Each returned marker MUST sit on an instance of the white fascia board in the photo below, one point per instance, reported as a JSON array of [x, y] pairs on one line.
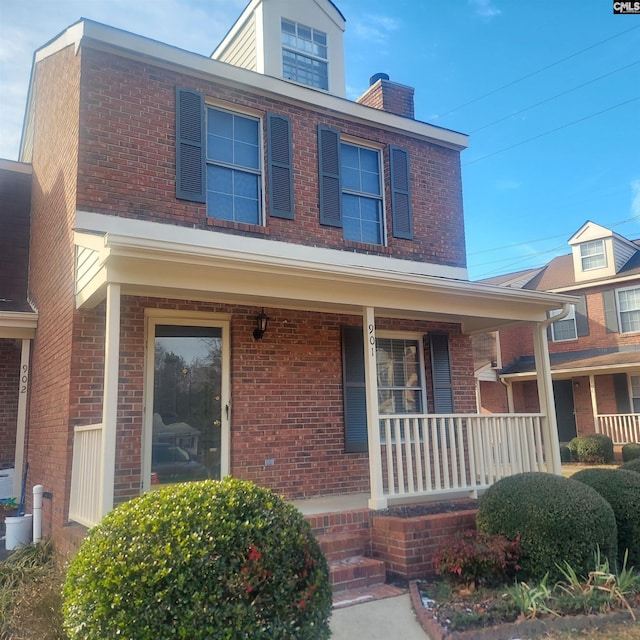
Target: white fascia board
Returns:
[[101, 36], [574, 372], [17, 167], [601, 282], [14, 324]]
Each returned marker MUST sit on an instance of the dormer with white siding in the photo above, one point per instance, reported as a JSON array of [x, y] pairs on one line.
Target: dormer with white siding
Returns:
[[599, 252], [297, 40]]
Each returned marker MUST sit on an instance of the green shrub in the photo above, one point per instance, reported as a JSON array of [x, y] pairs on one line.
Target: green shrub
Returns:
[[595, 448], [556, 519], [224, 560], [630, 451], [621, 489], [475, 558], [632, 465], [565, 453]]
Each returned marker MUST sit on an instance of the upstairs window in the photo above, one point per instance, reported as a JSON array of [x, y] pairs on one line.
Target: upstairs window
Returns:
[[304, 55], [234, 171], [592, 255], [361, 194], [564, 329], [629, 309]]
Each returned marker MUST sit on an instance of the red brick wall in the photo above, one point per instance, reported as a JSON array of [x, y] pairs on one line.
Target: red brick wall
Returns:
[[9, 385], [494, 397], [51, 276], [127, 159]]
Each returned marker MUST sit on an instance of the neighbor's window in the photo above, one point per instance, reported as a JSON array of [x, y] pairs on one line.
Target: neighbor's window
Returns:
[[635, 393], [629, 309], [592, 255], [361, 194], [564, 329], [304, 55], [400, 388], [233, 166]]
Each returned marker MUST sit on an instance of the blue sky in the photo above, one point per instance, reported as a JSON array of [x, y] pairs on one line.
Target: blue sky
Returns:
[[549, 92]]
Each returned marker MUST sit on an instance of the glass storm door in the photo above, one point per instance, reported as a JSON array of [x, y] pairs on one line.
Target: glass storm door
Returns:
[[187, 407]]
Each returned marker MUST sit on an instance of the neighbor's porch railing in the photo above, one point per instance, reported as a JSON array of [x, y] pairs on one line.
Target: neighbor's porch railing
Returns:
[[620, 427], [84, 504], [431, 455]]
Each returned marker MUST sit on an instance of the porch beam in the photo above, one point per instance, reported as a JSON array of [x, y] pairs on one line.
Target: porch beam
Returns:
[[545, 396], [110, 397], [378, 500], [21, 426]]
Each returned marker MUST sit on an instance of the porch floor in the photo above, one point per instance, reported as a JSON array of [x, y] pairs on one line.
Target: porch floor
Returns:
[[332, 504]]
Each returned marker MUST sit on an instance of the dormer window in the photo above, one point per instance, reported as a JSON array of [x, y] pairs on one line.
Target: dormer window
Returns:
[[592, 255], [304, 55]]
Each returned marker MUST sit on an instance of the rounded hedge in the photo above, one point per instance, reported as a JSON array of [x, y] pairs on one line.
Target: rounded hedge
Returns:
[[196, 561], [594, 448], [565, 453], [630, 451], [632, 465], [621, 489], [556, 519]]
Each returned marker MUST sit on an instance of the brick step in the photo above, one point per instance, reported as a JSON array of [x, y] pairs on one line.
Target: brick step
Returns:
[[356, 573], [347, 598], [340, 546]]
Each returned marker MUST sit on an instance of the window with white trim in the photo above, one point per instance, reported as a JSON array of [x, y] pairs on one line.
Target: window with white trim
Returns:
[[361, 193], [564, 329], [304, 55], [635, 393], [400, 379], [592, 255], [629, 309], [234, 167]]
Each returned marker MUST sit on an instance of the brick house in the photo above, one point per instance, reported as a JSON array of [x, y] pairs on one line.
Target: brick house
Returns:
[[238, 270], [594, 348]]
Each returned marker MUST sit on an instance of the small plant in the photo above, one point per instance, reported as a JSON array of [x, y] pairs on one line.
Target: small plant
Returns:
[[534, 600], [630, 451], [474, 558], [8, 505], [565, 453], [593, 449], [632, 465], [200, 560]]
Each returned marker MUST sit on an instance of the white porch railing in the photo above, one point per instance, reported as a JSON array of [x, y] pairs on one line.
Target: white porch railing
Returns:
[[84, 504], [431, 455], [620, 427]]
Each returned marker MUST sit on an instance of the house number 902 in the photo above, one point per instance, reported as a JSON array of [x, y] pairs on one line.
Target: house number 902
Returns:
[[372, 340], [24, 379]]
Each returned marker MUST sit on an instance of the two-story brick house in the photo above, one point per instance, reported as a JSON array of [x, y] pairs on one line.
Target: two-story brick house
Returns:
[[238, 270], [594, 348]]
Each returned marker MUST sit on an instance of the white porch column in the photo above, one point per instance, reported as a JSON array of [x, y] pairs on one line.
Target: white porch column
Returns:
[[594, 403], [110, 397], [23, 391], [378, 499], [545, 395]]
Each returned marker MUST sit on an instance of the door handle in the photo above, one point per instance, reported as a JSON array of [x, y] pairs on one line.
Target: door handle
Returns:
[[216, 423], [227, 409]]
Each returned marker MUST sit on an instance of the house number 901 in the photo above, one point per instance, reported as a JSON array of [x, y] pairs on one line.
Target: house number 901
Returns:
[[372, 340], [24, 378]]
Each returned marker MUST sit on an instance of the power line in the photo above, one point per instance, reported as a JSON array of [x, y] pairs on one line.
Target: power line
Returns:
[[558, 95], [533, 73], [546, 133]]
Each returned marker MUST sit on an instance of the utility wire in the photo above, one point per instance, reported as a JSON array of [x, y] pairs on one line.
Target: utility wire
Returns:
[[546, 133], [558, 95], [533, 73]]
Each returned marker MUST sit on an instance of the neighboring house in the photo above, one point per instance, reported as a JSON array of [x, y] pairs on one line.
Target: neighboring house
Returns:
[[594, 348], [236, 270]]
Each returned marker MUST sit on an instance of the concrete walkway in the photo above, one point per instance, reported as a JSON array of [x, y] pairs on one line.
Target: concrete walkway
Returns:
[[387, 619]]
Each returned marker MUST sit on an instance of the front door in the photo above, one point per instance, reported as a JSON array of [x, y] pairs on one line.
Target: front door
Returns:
[[189, 425], [565, 412]]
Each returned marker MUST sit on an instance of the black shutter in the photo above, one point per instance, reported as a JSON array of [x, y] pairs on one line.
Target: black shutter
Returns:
[[190, 146], [353, 382], [621, 389], [610, 311], [329, 176], [401, 193], [280, 167], [582, 319], [441, 373]]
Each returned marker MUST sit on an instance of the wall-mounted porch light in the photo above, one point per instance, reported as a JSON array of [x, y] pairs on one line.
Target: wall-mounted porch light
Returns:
[[262, 322]]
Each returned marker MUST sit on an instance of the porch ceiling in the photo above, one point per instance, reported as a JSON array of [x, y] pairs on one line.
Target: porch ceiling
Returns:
[[161, 260]]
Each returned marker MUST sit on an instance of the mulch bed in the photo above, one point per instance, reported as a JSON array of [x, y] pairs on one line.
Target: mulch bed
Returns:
[[429, 508]]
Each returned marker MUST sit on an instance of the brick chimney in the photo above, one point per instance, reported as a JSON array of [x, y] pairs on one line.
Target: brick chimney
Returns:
[[388, 96]]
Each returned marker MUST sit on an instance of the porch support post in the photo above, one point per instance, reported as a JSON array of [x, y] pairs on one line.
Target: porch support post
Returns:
[[110, 397], [378, 499], [545, 395], [594, 403], [21, 426]]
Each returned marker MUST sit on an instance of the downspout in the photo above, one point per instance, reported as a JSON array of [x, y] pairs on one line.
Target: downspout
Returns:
[[545, 388]]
